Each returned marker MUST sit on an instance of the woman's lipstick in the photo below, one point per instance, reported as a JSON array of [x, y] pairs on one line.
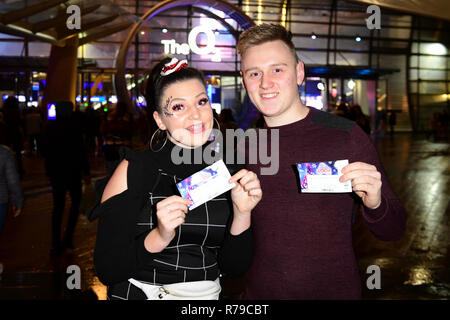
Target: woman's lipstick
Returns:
[[196, 128]]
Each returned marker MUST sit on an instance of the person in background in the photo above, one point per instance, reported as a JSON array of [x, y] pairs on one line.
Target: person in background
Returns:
[[360, 118], [2, 129], [14, 130], [381, 123], [144, 127], [9, 180], [117, 131], [342, 110], [392, 119], [93, 120], [226, 120], [33, 126], [66, 163]]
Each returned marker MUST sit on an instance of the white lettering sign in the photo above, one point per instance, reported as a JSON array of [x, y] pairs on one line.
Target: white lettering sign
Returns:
[[172, 47]]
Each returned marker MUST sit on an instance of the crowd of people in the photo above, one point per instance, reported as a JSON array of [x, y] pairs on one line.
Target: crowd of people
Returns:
[[353, 112], [66, 145]]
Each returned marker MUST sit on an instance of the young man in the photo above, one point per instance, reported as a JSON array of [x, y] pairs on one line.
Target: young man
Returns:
[[303, 241]]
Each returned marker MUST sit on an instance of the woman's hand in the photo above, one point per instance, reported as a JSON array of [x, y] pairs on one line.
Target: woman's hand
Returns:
[[245, 196], [247, 192], [171, 213]]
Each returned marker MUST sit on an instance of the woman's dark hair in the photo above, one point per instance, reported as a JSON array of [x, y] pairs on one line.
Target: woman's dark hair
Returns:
[[156, 83]]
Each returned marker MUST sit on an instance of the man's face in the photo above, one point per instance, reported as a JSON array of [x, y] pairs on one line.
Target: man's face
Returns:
[[271, 77]]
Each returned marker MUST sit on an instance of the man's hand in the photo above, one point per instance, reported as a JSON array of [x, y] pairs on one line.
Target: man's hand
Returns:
[[366, 182]]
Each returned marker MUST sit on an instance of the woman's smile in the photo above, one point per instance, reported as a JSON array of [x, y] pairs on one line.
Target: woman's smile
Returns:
[[196, 128]]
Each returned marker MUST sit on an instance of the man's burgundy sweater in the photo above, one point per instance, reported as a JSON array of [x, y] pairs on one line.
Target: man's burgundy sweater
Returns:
[[303, 242]]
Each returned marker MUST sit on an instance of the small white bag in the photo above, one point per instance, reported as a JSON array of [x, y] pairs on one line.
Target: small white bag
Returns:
[[193, 290]]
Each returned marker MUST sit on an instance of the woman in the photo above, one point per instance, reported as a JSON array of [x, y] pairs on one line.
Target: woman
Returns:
[[149, 246]]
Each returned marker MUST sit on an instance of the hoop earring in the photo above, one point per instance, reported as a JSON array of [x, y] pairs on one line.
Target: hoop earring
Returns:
[[218, 124], [212, 137], [151, 141]]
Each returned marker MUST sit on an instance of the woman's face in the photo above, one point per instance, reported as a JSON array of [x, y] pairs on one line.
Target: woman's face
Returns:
[[185, 113]]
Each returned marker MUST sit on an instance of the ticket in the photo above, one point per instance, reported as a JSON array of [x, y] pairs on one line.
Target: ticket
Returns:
[[206, 184], [323, 177]]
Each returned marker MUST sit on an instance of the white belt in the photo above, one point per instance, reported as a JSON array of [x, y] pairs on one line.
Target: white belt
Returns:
[[193, 290]]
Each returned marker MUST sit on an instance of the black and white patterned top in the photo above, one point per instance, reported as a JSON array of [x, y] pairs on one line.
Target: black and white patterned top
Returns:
[[202, 247]]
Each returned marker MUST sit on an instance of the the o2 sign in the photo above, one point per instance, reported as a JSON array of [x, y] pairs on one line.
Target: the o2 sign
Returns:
[[172, 47]]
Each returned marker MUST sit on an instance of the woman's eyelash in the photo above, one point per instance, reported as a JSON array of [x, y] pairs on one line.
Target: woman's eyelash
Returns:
[[177, 107]]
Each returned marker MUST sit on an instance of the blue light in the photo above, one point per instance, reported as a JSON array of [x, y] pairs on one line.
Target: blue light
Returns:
[[98, 99], [209, 91], [91, 85], [51, 111], [365, 71], [319, 70], [358, 39]]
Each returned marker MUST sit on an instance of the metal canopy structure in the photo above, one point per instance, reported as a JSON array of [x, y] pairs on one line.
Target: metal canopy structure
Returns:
[[228, 9], [46, 20], [432, 8]]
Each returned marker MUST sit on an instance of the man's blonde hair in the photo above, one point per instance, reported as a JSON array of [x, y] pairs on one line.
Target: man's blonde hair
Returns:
[[263, 33]]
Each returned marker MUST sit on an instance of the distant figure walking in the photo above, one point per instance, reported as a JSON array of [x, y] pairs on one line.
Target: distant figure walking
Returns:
[[392, 118], [14, 131], [65, 162], [117, 131], [9, 180]]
